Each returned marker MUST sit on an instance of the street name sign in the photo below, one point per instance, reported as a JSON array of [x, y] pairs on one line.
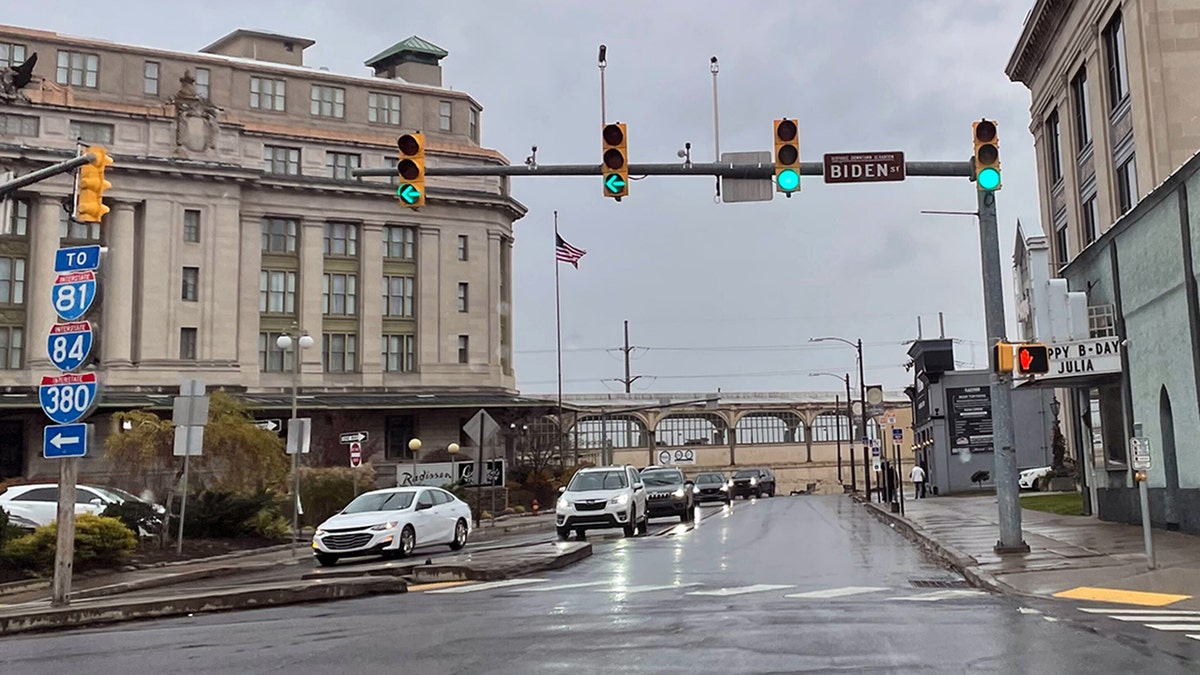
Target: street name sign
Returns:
[[353, 437], [65, 440], [70, 344], [67, 398], [270, 425], [864, 167], [73, 294]]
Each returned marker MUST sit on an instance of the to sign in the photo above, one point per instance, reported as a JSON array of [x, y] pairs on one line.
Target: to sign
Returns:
[[70, 344], [73, 294], [77, 258], [66, 399], [864, 167], [355, 455]]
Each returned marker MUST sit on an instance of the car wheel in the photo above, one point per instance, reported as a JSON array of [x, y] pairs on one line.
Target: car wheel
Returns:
[[408, 541], [630, 527], [327, 560], [460, 535], [563, 533], [643, 525]]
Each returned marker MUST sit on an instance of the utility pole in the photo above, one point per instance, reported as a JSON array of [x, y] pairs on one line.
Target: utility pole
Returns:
[[628, 380]]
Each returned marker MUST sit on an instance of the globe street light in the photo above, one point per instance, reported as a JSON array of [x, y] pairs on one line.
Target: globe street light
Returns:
[[414, 445], [295, 339]]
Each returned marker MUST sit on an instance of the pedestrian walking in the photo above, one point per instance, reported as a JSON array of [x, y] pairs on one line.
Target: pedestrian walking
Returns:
[[918, 479]]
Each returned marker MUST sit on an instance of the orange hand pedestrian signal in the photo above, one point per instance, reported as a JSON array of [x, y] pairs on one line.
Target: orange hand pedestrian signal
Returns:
[[1032, 359], [1026, 359]]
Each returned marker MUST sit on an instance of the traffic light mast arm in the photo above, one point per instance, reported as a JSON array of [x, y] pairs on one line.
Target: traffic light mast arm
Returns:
[[724, 169], [48, 172]]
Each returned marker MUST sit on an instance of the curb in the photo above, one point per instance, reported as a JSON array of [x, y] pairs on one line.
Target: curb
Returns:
[[270, 596], [502, 529], [418, 573], [173, 579]]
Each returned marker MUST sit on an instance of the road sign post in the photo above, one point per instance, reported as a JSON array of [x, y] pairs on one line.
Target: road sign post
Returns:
[[480, 428], [190, 414], [1140, 462]]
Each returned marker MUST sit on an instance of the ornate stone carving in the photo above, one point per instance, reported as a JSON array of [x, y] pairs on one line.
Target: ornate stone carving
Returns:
[[196, 126]]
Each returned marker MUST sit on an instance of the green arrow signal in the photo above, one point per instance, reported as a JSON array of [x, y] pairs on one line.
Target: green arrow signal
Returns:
[[614, 183], [409, 193]]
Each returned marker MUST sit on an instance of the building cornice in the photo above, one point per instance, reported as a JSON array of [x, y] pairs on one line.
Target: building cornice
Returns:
[[1041, 26]]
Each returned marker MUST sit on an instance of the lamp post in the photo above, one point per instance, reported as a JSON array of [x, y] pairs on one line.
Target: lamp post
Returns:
[[413, 446], [849, 427], [862, 392], [295, 339]]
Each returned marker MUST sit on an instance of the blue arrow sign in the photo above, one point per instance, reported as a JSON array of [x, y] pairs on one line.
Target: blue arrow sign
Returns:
[[409, 193], [73, 294], [70, 344], [77, 258], [65, 440], [614, 182], [66, 399]]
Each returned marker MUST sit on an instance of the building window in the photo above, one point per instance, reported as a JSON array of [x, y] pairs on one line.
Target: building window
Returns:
[[78, 69], [191, 225], [339, 352], [473, 124], [12, 348], [444, 119], [340, 294], [281, 161], [271, 358], [328, 101], [187, 344], [91, 132], [383, 108], [202, 78], [400, 430], [150, 78], [399, 242], [18, 125], [398, 296], [463, 301], [1127, 193], [341, 239], [12, 281], [18, 223], [1091, 219], [340, 164], [464, 349], [277, 292], [399, 353], [462, 247], [191, 284], [11, 54], [70, 229], [267, 94], [1118, 66], [1061, 253], [1054, 147], [1083, 110], [279, 235]]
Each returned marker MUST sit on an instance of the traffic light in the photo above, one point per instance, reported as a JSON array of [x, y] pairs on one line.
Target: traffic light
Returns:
[[987, 155], [1032, 359], [616, 161], [411, 168], [1002, 357], [787, 156], [89, 200]]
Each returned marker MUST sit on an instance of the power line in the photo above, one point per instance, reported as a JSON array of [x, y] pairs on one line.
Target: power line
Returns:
[[729, 348], [772, 373]]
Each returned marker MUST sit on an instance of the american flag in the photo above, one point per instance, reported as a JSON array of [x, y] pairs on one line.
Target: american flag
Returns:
[[567, 252]]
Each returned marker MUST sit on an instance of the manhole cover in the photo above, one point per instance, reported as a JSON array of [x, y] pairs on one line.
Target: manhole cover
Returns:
[[939, 583]]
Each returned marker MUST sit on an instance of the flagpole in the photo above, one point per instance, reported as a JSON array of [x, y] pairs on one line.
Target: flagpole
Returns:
[[558, 329]]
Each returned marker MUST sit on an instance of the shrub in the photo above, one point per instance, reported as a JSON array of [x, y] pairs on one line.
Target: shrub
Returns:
[[220, 514], [99, 542], [139, 517], [326, 491], [518, 509], [508, 512], [268, 524]]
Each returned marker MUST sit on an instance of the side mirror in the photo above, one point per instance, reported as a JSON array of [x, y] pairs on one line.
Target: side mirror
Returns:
[[637, 486], [421, 506], [562, 489], [96, 501]]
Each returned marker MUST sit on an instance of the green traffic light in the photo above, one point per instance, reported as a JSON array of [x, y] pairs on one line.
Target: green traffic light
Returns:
[[408, 193], [788, 180], [989, 178]]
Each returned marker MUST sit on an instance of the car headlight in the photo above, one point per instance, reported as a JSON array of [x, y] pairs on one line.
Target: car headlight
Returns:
[[695, 490], [724, 488], [753, 481], [391, 525], [319, 533], [678, 493], [563, 503], [620, 500]]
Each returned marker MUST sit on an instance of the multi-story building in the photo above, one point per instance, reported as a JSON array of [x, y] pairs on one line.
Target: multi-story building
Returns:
[[235, 217], [1113, 112]]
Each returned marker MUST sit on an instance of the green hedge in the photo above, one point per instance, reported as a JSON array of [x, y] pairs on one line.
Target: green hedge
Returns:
[[99, 542]]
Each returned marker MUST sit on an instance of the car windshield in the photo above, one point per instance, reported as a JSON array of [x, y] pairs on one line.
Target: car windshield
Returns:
[[746, 473], [380, 501], [598, 480], [116, 494], [710, 478], [661, 477]]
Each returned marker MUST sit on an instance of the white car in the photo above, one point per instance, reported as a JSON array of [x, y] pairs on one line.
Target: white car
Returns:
[[39, 502], [1028, 478], [392, 522], [602, 497]]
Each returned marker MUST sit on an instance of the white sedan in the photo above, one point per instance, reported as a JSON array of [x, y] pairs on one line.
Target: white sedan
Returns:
[[39, 502], [1028, 478], [392, 522]]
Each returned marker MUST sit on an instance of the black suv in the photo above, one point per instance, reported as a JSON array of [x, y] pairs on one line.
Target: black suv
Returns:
[[755, 482], [668, 493], [711, 486]]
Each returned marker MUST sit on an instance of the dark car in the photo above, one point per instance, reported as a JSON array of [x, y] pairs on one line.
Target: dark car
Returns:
[[755, 482], [711, 486], [668, 493]]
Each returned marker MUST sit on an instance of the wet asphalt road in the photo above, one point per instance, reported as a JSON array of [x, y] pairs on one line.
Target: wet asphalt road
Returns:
[[708, 599]]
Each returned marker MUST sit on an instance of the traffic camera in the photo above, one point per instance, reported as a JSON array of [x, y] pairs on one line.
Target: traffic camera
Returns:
[[89, 199], [411, 168], [616, 161], [987, 155]]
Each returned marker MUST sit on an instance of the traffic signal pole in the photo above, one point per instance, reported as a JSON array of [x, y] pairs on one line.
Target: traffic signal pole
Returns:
[[52, 171], [763, 170]]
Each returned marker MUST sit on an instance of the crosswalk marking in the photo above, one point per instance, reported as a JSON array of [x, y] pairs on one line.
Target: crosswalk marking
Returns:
[[487, 586], [1194, 637], [564, 587], [948, 594], [1156, 618], [644, 589], [742, 590], [836, 592]]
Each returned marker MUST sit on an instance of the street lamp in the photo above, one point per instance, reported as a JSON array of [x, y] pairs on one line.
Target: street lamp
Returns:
[[295, 339], [862, 398], [414, 445], [849, 427]]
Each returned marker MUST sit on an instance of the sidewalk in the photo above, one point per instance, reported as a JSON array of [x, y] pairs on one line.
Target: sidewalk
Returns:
[[1076, 557]]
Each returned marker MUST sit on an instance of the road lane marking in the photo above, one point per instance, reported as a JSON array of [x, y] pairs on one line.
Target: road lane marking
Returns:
[[435, 586], [644, 589], [1195, 637], [1174, 626], [542, 589], [1157, 618], [1120, 596], [742, 590], [948, 594], [490, 585], [837, 592], [1155, 612]]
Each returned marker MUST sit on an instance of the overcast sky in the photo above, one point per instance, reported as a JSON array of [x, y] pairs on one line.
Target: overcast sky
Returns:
[[705, 286]]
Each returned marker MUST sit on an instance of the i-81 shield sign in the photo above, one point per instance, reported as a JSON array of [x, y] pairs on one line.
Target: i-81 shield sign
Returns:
[[73, 294]]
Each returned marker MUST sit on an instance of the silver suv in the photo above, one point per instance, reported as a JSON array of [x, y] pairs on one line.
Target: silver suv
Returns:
[[602, 497]]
